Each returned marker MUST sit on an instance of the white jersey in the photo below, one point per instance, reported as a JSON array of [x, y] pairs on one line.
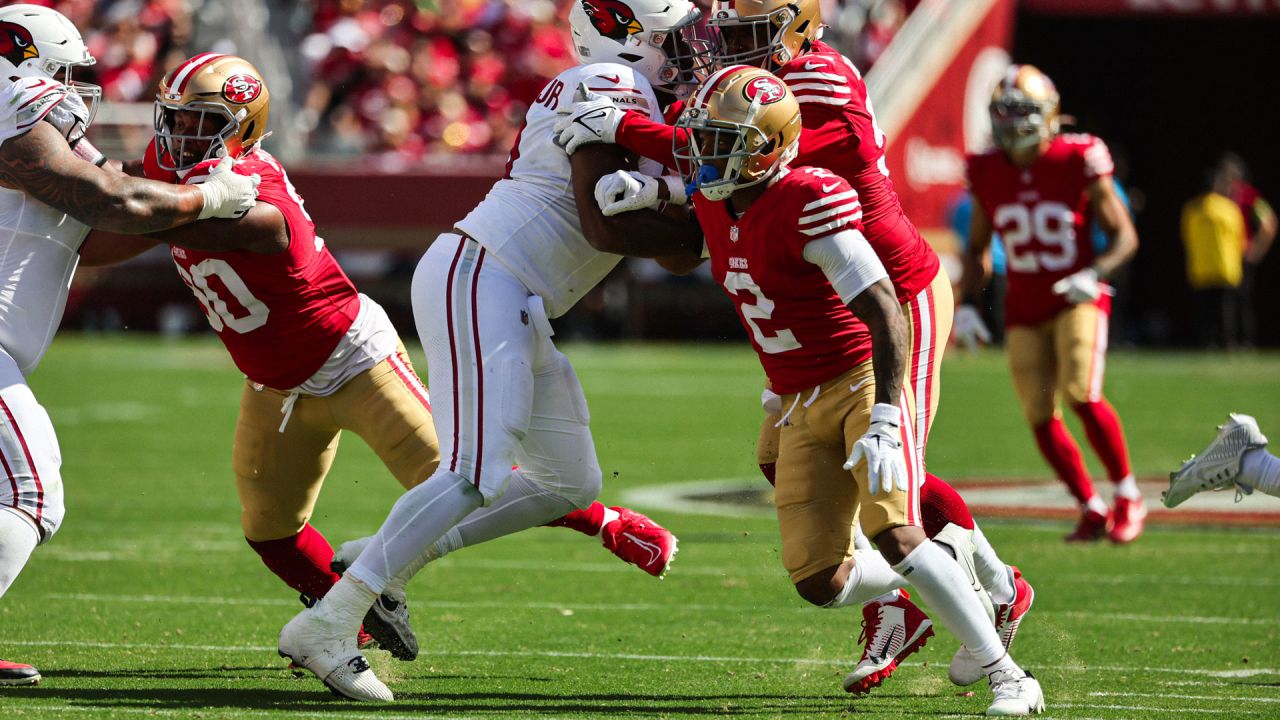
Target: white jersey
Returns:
[[529, 220], [39, 246]]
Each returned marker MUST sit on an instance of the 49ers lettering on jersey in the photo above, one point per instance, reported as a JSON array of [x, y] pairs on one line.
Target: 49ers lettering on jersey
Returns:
[[1042, 216], [799, 326], [280, 315]]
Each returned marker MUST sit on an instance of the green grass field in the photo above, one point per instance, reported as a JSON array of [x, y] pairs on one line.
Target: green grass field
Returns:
[[149, 604]]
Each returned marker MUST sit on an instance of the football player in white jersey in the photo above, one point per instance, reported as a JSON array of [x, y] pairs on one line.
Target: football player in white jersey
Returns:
[[482, 297], [53, 190]]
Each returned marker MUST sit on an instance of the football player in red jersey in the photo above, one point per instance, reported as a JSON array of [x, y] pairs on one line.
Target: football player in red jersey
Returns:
[[268, 282], [1041, 190], [788, 248], [840, 133]]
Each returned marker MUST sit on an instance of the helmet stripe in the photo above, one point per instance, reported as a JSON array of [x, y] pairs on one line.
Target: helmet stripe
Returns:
[[187, 71], [712, 83]]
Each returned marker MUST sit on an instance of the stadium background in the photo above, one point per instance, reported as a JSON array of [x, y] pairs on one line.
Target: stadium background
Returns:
[[394, 117]]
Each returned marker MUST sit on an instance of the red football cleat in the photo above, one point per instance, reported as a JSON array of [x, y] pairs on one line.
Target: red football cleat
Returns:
[[891, 631], [1092, 526], [1127, 520], [964, 669], [12, 673], [640, 541]]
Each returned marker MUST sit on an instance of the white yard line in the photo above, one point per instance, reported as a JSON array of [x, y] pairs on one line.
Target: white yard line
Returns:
[[612, 607], [1204, 672], [1186, 697]]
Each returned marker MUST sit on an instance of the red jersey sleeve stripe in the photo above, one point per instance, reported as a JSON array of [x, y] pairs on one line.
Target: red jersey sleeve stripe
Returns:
[[838, 221], [827, 212]]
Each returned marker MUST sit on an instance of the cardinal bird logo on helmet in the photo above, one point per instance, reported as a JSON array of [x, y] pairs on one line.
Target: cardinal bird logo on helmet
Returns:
[[16, 44], [612, 18]]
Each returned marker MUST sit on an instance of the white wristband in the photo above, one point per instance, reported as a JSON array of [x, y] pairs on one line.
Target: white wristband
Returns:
[[886, 413], [675, 188]]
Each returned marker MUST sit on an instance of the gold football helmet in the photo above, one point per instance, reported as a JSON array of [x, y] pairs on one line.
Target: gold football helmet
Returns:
[[740, 128], [764, 33], [209, 106], [1024, 109]]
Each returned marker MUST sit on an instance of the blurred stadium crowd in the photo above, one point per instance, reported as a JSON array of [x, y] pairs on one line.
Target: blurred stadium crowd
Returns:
[[398, 81]]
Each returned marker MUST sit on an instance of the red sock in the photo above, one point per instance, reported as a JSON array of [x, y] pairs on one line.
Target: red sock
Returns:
[[941, 504], [1102, 427], [301, 561], [587, 521], [1063, 454]]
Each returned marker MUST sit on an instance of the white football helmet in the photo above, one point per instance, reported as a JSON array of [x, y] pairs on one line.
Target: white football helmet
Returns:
[[662, 39], [37, 41]]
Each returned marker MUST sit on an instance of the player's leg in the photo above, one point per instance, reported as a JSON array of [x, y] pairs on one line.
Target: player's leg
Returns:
[[472, 317], [1236, 456], [817, 511], [1033, 365], [31, 497], [1080, 343], [278, 477]]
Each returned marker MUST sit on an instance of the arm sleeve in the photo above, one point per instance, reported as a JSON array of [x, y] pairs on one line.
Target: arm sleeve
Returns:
[[848, 261], [648, 138], [1097, 160]]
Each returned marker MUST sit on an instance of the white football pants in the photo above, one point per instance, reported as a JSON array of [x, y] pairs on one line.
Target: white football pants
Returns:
[[502, 394], [30, 459]]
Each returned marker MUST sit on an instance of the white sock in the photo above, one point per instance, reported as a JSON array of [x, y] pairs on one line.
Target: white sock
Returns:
[[860, 541], [944, 588], [871, 577], [995, 576], [1261, 470], [18, 538], [347, 602], [1097, 504], [1128, 489], [417, 520], [524, 505]]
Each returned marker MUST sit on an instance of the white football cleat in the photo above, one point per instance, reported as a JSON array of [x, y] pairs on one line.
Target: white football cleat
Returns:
[[310, 641], [1218, 465], [388, 620], [965, 669], [1017, 693]]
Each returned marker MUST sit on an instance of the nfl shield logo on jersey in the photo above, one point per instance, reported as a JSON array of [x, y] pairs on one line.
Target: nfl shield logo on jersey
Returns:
[[733, 233]]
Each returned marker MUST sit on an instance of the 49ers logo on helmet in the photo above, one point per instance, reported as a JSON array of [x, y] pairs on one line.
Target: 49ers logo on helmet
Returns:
[[16, 43], [766, 89], [241, 89], [612, 18]]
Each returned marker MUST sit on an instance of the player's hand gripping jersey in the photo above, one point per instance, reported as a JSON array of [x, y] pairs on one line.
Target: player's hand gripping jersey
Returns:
[[281, 314], [800, 326], [1042, 215], [40, 245], [529, 220]]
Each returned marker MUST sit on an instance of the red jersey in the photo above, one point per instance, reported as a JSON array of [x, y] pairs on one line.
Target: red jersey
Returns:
[[839, 132], [1042, 215], [280, 315], [802, 330]]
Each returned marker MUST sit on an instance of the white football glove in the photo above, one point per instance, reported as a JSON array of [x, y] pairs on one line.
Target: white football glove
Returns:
[[771, 402], [969, 328], [627, 190], [881, 447], [1079, 287], [592, 118], [226, 194]]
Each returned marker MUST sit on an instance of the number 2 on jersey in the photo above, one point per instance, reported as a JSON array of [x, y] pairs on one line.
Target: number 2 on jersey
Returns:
[[782, 340]]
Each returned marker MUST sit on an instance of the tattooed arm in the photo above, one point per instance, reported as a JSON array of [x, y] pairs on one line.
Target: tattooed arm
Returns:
[[41, 164]]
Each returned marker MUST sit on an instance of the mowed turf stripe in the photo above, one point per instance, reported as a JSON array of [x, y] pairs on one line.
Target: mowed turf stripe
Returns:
[[1232, 698], [640, 657], [606, 607], [205, 712]]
